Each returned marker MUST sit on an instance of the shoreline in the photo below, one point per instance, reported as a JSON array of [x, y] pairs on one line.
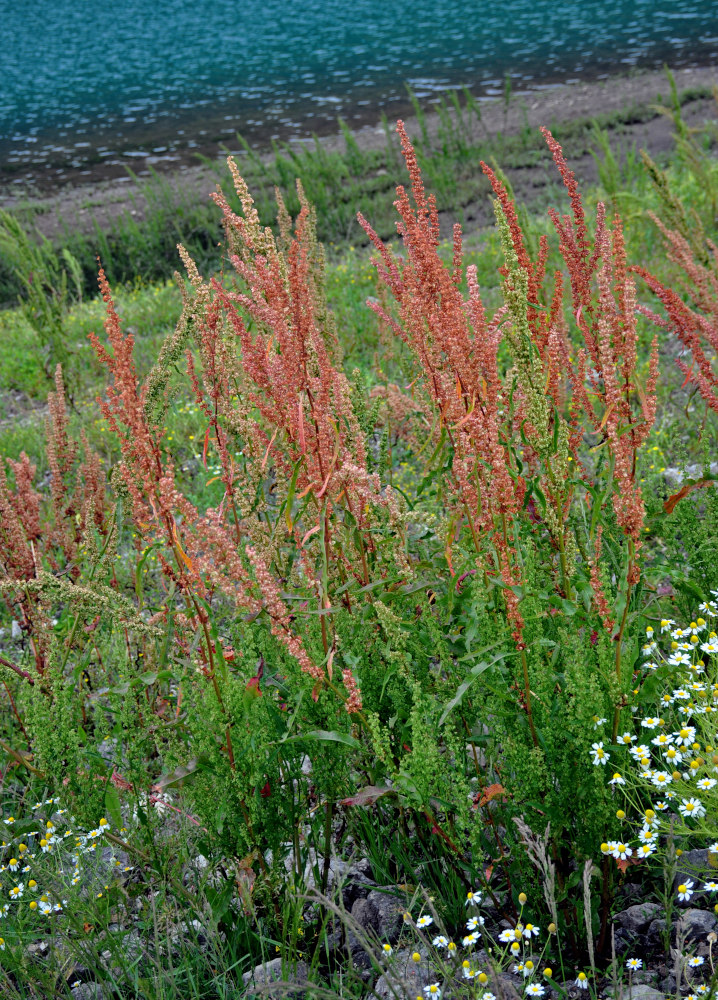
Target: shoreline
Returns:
[[170, 139], [99, 199]]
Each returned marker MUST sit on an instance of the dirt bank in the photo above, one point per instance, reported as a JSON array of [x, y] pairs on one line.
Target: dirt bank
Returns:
[[81, 202]]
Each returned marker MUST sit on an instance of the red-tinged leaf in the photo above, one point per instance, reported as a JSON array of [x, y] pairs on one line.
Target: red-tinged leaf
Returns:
[[269, 448], [321, 492], [686, 380], [367, 796], [623, 863], [670, 503], [180, 551], [492, 792], [447, 556], [488, 873], [252, 686], [206, 445], [315, 691]]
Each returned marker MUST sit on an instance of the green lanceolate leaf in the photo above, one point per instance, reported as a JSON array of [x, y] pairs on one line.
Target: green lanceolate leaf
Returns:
[[112, 806], [322, 735], [476, 672]]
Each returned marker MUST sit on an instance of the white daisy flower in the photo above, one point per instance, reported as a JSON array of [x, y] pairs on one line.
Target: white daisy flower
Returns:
[[685, 890], [692, 807], [663, 739], [599, 754], [650, 722]]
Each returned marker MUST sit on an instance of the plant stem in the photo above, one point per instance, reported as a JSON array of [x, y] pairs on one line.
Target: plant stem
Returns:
[[621, 630]]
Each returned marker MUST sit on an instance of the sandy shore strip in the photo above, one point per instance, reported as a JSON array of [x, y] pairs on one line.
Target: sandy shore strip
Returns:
[[101, 200]]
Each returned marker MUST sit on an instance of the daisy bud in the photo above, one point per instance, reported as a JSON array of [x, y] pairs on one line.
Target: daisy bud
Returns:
[[416, 957], [620, 814], [604, 848], [548, 972], [483, 978], [552, 928], [522, 898]]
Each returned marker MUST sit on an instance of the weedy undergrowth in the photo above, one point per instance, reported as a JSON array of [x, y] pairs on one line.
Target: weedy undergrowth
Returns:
[[415, 599]]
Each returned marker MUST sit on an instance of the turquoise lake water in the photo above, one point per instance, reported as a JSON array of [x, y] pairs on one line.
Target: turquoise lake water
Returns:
[[77, 76]]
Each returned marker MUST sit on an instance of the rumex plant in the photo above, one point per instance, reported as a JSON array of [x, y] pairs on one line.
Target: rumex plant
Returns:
[[425, 594], [516, 396], [43, 539]]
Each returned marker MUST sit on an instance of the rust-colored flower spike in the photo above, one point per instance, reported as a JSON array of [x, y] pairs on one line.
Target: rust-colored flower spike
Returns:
[[576, 247], [617, 340], [37, 534], [695, 324], [354, 702], [20, 523], [456, 345], [285, 357], [607, 363], [200, 553]]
